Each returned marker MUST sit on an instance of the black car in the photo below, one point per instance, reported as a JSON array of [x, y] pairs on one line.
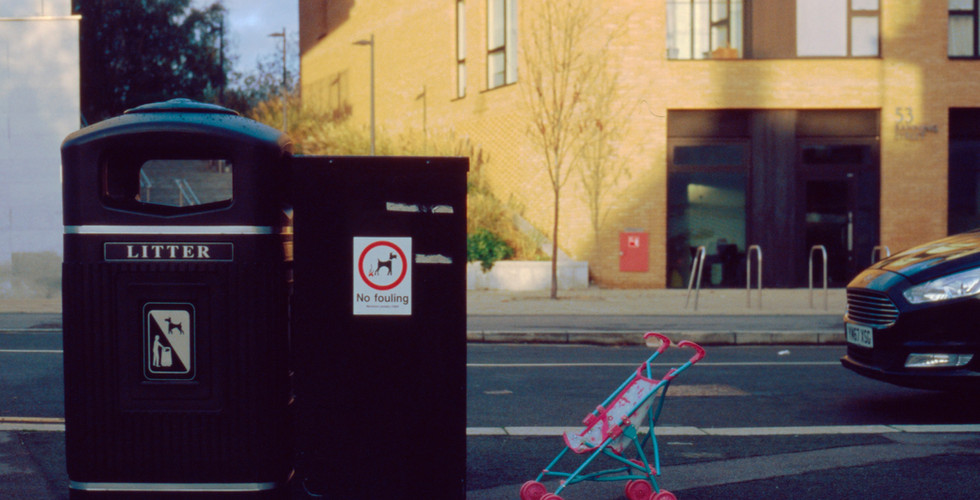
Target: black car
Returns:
[[913, 319]]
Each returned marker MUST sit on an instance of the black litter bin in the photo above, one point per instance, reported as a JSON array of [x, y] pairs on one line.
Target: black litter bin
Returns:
[[175, 305]]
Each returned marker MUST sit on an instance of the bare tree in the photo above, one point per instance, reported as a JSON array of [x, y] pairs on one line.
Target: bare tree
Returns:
[[565, 55]]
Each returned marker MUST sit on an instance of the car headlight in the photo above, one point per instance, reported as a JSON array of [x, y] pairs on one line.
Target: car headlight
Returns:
[[954, 286], [937, 360]]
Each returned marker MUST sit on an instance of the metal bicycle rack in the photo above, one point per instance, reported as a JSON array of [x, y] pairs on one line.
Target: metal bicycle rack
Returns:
[[696, 267], [748, 274], [823, 252], [876, 252]]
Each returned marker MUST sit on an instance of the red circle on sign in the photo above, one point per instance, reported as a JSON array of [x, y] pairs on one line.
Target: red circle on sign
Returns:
[[401, 276]]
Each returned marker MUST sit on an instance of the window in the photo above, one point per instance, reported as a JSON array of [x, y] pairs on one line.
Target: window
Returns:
[[501, 42], [770, 29], [710, 155], [704, 29], [836, 28], [963, 28], [460, 48], [836, 154]]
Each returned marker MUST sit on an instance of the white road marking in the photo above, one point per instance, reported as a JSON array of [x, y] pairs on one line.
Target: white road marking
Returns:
[[45, 424], [666, 365], [33, 424], [26, 427], [22, 331], [32, 351], [551, 431]]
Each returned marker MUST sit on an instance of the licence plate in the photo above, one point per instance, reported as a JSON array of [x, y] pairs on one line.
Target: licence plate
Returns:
[[860, 335]]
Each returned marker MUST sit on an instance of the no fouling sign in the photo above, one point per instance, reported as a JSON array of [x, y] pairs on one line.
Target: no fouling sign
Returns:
[[382, 276]]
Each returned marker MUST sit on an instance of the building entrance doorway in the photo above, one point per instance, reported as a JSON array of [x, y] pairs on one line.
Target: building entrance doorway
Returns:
[[782, 180], [839, 198]]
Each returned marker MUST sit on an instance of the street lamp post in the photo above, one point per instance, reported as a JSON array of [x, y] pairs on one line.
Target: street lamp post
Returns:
[[370, 42], [285, 112]]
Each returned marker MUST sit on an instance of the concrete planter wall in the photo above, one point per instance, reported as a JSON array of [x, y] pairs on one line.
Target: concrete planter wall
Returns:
[[520, 275]]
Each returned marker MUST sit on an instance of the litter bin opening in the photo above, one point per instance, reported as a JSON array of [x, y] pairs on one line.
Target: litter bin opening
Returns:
[[168, 186]]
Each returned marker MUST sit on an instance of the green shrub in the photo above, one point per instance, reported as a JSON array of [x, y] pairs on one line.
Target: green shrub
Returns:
[[487, 248], [484, 212]]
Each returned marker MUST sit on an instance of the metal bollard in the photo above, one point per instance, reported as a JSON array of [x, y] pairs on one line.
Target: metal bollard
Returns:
[[748, 274], [823, 252], [696, 266]]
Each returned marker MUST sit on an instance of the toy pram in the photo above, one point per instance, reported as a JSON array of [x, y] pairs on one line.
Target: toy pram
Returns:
[[612, 427]]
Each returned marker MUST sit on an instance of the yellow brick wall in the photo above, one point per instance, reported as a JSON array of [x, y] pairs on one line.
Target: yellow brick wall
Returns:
[[415, 47]]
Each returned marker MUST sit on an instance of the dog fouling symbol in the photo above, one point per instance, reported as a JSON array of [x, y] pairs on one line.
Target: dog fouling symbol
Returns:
[[168, 340], [383, 264], [388, 257]]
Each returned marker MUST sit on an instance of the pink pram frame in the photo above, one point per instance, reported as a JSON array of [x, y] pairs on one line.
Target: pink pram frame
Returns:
[[613, 426]]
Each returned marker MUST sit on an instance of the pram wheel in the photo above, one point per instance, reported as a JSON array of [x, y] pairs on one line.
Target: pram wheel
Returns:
[[664, 495], [639, 490], [550, 496], [533, 490]]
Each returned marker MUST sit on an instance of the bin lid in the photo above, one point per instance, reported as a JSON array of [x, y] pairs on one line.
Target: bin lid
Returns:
[[181, 105]]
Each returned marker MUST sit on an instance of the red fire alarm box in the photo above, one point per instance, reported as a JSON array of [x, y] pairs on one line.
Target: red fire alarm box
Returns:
[[634, 255]]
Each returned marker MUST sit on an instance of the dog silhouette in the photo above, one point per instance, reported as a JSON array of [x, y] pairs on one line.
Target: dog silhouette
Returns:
[[385, 263], [171, 326]]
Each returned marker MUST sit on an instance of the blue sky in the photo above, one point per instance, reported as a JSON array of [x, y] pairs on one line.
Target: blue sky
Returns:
[[249, 24]]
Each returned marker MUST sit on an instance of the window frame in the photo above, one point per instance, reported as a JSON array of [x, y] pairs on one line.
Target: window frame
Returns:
[[852, 14], [974, 15], [713, 26], [697, 33], [506, 50], [460, 49]]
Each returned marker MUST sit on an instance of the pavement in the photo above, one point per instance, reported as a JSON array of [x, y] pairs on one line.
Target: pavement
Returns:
[[605, 316], [710, 317]]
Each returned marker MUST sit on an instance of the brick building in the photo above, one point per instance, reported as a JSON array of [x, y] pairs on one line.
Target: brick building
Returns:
[[785, 124]]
